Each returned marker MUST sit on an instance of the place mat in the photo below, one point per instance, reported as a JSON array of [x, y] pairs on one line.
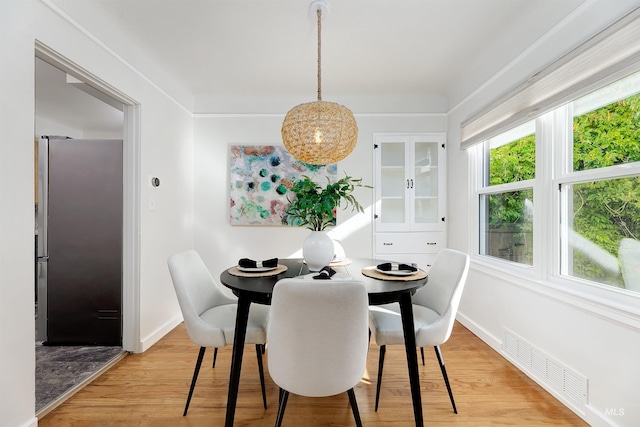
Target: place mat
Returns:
[[372, 272], [234, 271], [340, 263]]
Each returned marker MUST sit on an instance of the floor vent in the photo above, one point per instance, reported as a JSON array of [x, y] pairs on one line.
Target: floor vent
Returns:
[[542, 368]]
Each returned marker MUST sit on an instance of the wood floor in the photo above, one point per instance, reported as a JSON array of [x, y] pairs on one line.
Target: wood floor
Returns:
[[150, 389]]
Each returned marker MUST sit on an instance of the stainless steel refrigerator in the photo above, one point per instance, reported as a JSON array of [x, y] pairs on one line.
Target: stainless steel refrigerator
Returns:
[[79, 241]]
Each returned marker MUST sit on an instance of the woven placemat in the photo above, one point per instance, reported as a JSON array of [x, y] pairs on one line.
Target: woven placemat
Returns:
[[372, 272], [340, 263], [236, 272]]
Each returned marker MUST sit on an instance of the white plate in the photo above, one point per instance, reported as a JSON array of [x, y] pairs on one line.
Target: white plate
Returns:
[[397, 272], [256, 269]]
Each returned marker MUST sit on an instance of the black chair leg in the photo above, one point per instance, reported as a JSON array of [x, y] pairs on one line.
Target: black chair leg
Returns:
[[422, 354], [444, 375], [261, 370], [215, 356], [284, 396], [383, 349], [354, 407], [195, 377]]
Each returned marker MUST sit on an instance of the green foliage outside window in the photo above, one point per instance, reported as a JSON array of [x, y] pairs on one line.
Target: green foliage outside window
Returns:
[[510, 220], [604, 211], [513, 162]]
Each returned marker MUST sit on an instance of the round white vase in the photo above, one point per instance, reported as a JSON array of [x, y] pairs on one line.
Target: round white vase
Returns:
[[317, 250]]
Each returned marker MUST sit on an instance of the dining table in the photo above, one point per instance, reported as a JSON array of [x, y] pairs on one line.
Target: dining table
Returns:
[[382, 289]]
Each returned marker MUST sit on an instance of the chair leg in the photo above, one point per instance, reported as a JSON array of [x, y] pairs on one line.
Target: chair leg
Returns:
[[215, 356], [284, 396], [195, 377], [422, 354], [444, 375], [383, 349], [261, 371], [354, 407]]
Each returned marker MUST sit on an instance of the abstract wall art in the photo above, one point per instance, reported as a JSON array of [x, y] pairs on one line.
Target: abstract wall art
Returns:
[[261, 177]]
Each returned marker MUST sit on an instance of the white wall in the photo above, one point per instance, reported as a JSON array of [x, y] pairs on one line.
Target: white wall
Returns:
[[165, 150], [222, 244], [590, 339], [191, 160]]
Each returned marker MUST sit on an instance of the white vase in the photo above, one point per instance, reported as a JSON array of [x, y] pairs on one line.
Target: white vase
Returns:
[[317, 250]]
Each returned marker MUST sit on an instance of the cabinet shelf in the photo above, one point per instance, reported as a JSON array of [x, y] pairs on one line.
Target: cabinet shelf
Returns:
[[426, 169]]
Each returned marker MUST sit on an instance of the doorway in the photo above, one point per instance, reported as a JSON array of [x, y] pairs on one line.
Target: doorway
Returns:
[[104, 113]]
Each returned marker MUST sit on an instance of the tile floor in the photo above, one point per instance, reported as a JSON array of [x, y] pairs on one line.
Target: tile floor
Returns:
[[60, 368]]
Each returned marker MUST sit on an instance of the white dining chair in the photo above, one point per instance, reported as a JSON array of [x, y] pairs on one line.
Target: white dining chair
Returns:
[[434, 311], [210, 316], [318, 339]]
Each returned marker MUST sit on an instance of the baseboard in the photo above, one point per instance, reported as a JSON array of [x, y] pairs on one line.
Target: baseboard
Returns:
[[480, 332], [157, 335], [588, 413], [33, 422]]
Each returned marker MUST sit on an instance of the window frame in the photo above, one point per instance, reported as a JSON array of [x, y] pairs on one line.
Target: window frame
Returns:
[[483, 188], [554, 168]]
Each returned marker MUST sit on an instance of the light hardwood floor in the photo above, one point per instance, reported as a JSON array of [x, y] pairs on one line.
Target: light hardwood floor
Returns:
[[150, 389]]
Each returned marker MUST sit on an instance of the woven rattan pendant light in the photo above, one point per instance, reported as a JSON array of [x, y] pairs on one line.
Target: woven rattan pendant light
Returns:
[[319, 133]]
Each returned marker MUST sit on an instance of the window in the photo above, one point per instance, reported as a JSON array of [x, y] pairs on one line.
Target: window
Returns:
[[589, 183], [506, 196], [601, 197]]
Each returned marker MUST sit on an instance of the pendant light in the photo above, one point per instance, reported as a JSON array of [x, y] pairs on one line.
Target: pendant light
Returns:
[[320, 132]]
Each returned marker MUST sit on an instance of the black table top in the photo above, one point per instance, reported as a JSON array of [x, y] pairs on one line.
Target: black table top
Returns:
[[259, 289]]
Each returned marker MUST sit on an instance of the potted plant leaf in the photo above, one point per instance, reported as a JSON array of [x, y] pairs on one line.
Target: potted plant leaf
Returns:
[[314, 207]]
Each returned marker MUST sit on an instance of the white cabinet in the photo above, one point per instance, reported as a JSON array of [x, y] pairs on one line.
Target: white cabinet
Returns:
[[409, 210]]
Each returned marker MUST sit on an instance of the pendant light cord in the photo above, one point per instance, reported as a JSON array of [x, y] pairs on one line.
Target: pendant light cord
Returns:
[[319, 15]]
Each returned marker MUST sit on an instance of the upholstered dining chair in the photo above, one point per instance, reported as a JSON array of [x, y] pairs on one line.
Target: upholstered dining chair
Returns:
[[318, 338], [209, 315], [434, 311]]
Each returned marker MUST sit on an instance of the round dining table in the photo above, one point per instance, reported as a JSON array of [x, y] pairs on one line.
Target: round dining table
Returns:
[[382, 289]]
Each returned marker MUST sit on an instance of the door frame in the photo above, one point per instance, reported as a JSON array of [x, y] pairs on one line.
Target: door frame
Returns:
[[131, 192]]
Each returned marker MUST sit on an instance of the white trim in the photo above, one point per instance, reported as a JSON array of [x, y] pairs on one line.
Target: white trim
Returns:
[[604, 58], [146, 342], [488, 338], [131, 225], [610, 172], [110, 51], [131, 195], [282, 115], [588, 413]]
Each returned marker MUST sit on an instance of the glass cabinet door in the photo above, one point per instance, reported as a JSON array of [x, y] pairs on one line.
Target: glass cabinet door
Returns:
[[409, 182], [425, 182], [393, 183]]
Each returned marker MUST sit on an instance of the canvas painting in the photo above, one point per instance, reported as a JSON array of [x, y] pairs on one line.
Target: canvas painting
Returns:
[[261, 177]]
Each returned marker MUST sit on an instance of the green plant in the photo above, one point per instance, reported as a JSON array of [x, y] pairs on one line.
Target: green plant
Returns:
[[314, 207]]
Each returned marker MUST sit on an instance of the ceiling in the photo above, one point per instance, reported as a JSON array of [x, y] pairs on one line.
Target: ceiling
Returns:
[[258, 56]]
